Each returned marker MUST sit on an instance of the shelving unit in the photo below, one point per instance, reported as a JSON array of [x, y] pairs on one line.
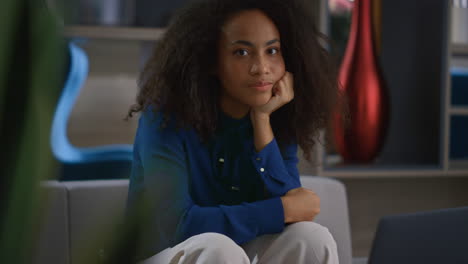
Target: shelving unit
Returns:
[[460, 49], [459, 110], [394, 173], [456, 117], [117, 33], [417, 69]]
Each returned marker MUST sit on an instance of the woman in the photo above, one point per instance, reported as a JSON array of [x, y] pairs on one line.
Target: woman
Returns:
[[230, 92]]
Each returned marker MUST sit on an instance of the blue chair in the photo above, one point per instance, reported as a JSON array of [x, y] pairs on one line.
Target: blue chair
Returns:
[[100, 162]]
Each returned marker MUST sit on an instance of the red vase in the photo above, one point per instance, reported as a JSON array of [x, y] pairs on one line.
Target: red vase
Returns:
[[361, 139]]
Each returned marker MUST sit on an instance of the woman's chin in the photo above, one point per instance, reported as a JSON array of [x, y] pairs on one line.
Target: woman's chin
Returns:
[[260, 100]]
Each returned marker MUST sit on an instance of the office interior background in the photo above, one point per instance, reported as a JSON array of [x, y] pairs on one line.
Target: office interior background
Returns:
[[416, 171], [373, 192]]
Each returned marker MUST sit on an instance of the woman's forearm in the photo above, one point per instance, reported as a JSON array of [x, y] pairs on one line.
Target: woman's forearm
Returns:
[[263, 134]]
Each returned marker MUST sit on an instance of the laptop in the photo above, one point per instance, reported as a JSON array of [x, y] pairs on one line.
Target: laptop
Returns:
[[434, 237]]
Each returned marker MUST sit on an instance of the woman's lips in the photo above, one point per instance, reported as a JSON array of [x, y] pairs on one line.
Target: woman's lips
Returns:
[[261, 86]]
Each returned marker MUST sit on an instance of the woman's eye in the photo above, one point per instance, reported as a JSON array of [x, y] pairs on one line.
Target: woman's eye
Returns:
[[273, 51], [241, 52]]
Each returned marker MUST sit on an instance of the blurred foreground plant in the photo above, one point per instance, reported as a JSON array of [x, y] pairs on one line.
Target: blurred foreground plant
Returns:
[[30, 72]]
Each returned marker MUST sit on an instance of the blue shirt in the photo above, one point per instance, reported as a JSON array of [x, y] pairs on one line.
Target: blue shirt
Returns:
[[223, 185]]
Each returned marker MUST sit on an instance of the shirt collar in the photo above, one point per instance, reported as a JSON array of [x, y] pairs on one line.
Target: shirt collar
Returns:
[[227, 122]]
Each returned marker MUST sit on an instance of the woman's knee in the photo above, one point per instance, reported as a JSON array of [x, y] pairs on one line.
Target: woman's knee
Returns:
[[311, 233], [314, 241], [214, 240], [220, 248]]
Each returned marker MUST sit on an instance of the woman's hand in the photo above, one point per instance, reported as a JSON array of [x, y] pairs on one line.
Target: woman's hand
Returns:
[[300, 204], [282, 93]]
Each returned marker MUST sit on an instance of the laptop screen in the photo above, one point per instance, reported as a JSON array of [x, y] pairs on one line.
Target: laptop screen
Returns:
[[435, 237]]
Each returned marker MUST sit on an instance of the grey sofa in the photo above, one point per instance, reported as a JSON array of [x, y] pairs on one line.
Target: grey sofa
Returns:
[[80, 213]]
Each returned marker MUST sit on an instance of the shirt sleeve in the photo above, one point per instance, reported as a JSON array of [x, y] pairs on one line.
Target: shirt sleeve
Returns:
[[278, 169], [172, 216]]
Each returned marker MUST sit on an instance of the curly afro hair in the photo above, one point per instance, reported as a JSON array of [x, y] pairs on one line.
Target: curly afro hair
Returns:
[[177, 79]]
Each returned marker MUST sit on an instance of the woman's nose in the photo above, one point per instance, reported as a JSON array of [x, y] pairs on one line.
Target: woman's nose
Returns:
[[259, 66]]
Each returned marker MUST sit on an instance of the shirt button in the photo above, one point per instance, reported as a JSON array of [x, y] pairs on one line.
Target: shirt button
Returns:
[[258, 158], [221, 160], [262, 169]]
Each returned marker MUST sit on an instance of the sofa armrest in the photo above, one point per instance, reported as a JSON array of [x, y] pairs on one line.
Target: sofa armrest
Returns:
[[96, 209], [52, 244], [334, 212]]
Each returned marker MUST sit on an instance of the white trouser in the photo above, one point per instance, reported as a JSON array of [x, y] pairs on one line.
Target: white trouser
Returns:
[[303, 242]]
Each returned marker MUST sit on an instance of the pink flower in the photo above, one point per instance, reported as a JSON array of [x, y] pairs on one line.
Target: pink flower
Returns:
[[340, 6]]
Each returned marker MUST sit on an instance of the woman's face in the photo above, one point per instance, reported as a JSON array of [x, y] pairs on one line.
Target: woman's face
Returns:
[[249, 61]]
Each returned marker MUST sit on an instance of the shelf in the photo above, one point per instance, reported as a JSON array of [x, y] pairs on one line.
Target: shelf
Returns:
[[460, 49], [120, 33], [460, 164], [334, 168], [393, 173], [459, 110]]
